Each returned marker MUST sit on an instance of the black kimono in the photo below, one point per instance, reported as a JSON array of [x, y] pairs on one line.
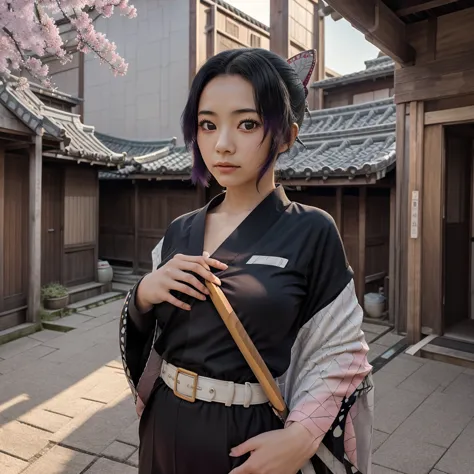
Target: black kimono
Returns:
[[290, 284]]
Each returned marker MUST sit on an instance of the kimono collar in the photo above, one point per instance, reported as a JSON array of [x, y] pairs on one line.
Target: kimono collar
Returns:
[[251, 229]]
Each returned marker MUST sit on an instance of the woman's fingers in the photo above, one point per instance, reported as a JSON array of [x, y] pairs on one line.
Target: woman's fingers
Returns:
[[178, 303], [188, 291], [197, 268], [205, 261]]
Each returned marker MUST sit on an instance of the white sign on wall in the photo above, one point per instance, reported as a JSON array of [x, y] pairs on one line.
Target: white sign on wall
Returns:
[[414, 214]]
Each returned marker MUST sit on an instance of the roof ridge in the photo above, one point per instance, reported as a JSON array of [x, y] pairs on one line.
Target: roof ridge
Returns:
[[352, 107], [128, 141], [243, 15]]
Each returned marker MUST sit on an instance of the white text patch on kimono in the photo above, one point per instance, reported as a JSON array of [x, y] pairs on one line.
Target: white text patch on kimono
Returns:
[[266, 260]]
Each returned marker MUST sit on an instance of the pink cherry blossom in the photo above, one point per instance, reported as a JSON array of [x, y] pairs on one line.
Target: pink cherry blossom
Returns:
[[31, 30]]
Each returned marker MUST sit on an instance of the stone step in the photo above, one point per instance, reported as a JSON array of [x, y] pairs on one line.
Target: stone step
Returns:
[[16, 332], [122, 287], [95, 301], [458, 354], [78, 293], [129, 279], [84, 287], [118, 270]]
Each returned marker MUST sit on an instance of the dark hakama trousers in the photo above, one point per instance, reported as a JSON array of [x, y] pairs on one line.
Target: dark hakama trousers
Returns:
[[179, 437]]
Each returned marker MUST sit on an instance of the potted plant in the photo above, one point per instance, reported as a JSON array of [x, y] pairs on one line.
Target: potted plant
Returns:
[[54, 296]]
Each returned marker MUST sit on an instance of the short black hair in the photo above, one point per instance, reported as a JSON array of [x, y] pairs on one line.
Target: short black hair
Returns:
[[279, 94]]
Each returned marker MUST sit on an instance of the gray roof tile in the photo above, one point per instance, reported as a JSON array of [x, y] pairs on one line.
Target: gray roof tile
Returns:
[[74, 138], [134, 147], [344, 141], [157, 157], [375, 68]]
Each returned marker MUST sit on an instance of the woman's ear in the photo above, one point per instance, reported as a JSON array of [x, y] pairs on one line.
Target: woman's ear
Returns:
[[293, 134]]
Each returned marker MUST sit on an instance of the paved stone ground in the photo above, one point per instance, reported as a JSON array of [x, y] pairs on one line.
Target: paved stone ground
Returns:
[[65, 407]]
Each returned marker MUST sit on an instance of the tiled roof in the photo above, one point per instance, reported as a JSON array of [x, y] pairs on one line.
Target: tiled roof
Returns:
[[374, 68], [243, 15], [135, 148], [356, 140], [157, 158], [74, 138]]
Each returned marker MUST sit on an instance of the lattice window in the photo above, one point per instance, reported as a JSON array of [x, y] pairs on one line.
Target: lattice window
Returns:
[[231, 28], [255, 41]]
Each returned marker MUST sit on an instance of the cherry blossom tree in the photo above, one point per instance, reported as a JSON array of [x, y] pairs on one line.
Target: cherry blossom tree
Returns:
[[31, 30]]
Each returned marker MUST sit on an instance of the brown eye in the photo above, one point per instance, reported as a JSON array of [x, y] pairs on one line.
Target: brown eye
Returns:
[[207, 125], [248, 125]]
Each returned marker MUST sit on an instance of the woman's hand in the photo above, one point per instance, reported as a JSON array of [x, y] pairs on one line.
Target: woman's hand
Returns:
[[156, 286], [283, 451]]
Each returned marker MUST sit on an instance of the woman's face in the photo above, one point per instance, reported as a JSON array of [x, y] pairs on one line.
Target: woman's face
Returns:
[[230, 132]]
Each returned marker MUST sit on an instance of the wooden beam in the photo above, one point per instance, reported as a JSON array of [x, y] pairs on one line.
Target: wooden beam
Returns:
[[380, 26], [360, 181], [450, 76], [415, 193], [17, 146], [458, 115], [422, 7], [34, 261], [391, 255], [362, 236]]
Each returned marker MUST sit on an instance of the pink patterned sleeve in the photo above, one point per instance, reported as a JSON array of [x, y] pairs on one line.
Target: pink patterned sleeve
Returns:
[[329, 362]]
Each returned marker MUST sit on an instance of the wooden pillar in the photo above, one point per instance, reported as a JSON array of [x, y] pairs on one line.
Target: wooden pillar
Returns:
[[279, 27], [34, 262], [97, 229], [415, 214], [362, 232], [391, 258], [212, 33], [136, 223], [432, 290], [321, 56], [81, 72], [401, 219], [194, 38]]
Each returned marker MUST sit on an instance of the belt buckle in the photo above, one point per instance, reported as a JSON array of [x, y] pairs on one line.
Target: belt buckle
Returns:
[[189, 373]]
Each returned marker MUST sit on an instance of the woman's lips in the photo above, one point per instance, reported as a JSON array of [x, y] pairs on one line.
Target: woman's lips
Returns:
[[224, 168]]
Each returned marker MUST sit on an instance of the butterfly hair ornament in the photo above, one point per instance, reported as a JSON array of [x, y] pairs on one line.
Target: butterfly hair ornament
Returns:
[[303, 63]]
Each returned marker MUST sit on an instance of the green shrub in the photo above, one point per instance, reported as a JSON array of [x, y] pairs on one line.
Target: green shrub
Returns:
[[53, 290]]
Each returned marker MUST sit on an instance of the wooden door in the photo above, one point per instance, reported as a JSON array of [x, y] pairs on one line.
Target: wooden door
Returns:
[[52, 224], [457, 229]]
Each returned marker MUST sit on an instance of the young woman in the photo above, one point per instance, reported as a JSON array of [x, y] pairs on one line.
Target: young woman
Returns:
[[283, 268]]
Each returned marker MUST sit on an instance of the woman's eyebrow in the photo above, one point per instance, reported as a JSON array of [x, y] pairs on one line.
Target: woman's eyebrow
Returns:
[[235, 112]]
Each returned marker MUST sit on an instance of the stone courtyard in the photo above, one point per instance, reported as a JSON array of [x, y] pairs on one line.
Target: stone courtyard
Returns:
[[65, 406]]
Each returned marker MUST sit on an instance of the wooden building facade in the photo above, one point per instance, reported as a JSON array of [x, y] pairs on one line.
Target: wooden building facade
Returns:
[[48, 200], [433, 43]]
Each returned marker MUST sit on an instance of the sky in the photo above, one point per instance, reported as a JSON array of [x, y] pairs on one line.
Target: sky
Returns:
[[346, 48]]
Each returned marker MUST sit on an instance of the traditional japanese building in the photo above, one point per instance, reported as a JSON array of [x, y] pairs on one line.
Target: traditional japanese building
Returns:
[[49, 197], [432, 43]]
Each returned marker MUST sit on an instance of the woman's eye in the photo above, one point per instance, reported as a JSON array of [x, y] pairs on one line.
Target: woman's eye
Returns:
[[248, 125], [208, 126]]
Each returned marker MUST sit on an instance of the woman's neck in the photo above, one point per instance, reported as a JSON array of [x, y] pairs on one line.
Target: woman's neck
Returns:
[[243, 199]]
